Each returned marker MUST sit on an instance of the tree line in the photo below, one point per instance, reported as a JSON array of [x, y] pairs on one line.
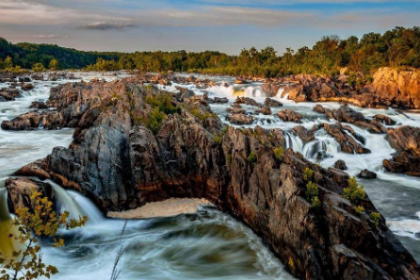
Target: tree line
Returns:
[[394, 48]]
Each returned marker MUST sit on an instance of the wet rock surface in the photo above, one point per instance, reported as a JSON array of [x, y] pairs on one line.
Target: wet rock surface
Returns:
[[406, 141], [288, 115], [367, 174], [9, 94], [118, 161]]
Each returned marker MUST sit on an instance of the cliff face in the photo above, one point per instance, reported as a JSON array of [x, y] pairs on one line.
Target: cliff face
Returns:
[[116, 160], [401, 86], [390, 88]]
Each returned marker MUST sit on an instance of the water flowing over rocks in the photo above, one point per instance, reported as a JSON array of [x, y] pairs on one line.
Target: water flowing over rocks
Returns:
[[120, 162], [9, 94]]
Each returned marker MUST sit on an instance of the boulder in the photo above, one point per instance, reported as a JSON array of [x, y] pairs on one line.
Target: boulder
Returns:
[[27, 87], [9, 94], [347, 143], [265, 110], [366, 174], [288, 115], [240, 119], [384, 119], [340, 165], [272, 103]]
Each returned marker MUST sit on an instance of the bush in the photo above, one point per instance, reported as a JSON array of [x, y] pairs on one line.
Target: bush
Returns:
[[202, 117], [156, 119], [354, 192], [375, 216], [163, 102], [278, 152], [308, 174], [311, 191], [252, 158], [359, 209], [38, 67], [316, 203], [217, 139]]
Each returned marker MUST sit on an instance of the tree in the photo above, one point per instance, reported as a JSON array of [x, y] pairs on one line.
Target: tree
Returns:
[[41, 221], [38, 67], [54, 65], [8, 63]]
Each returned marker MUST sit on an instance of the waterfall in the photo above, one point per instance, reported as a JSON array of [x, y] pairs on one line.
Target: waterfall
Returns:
[[76, 204], [294, 142]]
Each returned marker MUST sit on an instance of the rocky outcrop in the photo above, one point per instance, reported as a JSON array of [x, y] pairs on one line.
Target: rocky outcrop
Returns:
[[247, 101], [384, 119], [21, 189], [347, 143], [265, 110], [240, 119], [272, 103], [340, 165], [34, 120], [288, 115], [390, 88], [304, 134], [406, 140], [120, 163], [9, 94]]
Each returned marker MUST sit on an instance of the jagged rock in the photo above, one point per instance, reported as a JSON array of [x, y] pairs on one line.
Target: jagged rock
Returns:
[[265, 110], [185, 93], [219, 100], [27, 87], [247, 101], [235, 109], [348, 144], [367, 174], [9, 94], [20, 191], [304, 134], [272, 103], [121, 164], [384, 119], [38, 105], [28, 121], [406, 140], [240, 119], [36, 169], [319, 109], [288, 115], [340, 164]]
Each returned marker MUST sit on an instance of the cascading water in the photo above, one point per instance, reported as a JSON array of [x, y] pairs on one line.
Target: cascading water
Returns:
[[206, 245]]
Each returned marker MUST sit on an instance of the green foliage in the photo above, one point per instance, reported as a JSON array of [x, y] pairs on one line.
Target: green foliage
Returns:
[[156, 118], [316, 203], [394, 48], [359, 209], [354, 192], [32, 224], [38, 67], [217, 139], [311, 191], [252, 158], [54, 65], [278, 152], [307, 174], [201, 116], [375, 216], [163, 102], [228, 159]]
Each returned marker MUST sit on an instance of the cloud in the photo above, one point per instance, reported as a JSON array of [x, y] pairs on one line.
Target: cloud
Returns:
[[103, 26]]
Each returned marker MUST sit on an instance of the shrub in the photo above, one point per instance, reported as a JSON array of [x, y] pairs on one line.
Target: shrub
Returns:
[[308, 174], [228, 159], [163, 102], [217, 139], [375, 216], [316, 203], [278, 152], [156, 119], [40, 222], [359, 209], [311, 191], [252, 158], [354, 192], [38, 67], [201, 116]]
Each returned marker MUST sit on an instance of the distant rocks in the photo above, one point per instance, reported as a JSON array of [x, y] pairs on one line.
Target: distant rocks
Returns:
[[9, 94], [272, 103], [240, 119], [288, 115]]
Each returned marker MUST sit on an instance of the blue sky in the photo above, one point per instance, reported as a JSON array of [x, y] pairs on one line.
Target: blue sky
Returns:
[[196, 25]]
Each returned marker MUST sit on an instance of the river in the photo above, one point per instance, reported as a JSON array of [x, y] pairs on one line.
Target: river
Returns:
[[208, 244]]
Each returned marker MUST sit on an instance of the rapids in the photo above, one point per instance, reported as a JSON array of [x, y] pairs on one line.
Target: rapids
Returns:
[[205, 245], [208, 244]]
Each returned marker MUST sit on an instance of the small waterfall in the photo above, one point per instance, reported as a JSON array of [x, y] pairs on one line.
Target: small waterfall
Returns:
[[76, 204], [294, 142]]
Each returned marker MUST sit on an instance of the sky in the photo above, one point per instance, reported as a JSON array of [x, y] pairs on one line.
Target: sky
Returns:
[[197, 25]]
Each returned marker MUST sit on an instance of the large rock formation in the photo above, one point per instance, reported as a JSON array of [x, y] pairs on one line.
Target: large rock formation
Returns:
[[390, 88], [406, 140], [121, 159]]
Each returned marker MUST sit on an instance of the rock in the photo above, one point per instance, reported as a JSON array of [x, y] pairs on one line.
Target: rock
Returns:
[[38, 105], [24, 79], [219, 100], [340, 165], [304, 134], [272, 103], [366, 174], [121, 164], [28, 121], [347, 143], [288, 115], [235, 109], [241, 82], [185, 93], [27, 87], [271, 89], [319, 109], [240, 119], [406, 141], [247, 101], [9, 94], [20, 191], [384, 119], [38, 77], [36, 169], [265, 110]]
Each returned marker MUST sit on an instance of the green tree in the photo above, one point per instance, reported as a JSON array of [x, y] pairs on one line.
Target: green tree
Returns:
[[8, 63], [39, 222], [54, 65], [38, 67]]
